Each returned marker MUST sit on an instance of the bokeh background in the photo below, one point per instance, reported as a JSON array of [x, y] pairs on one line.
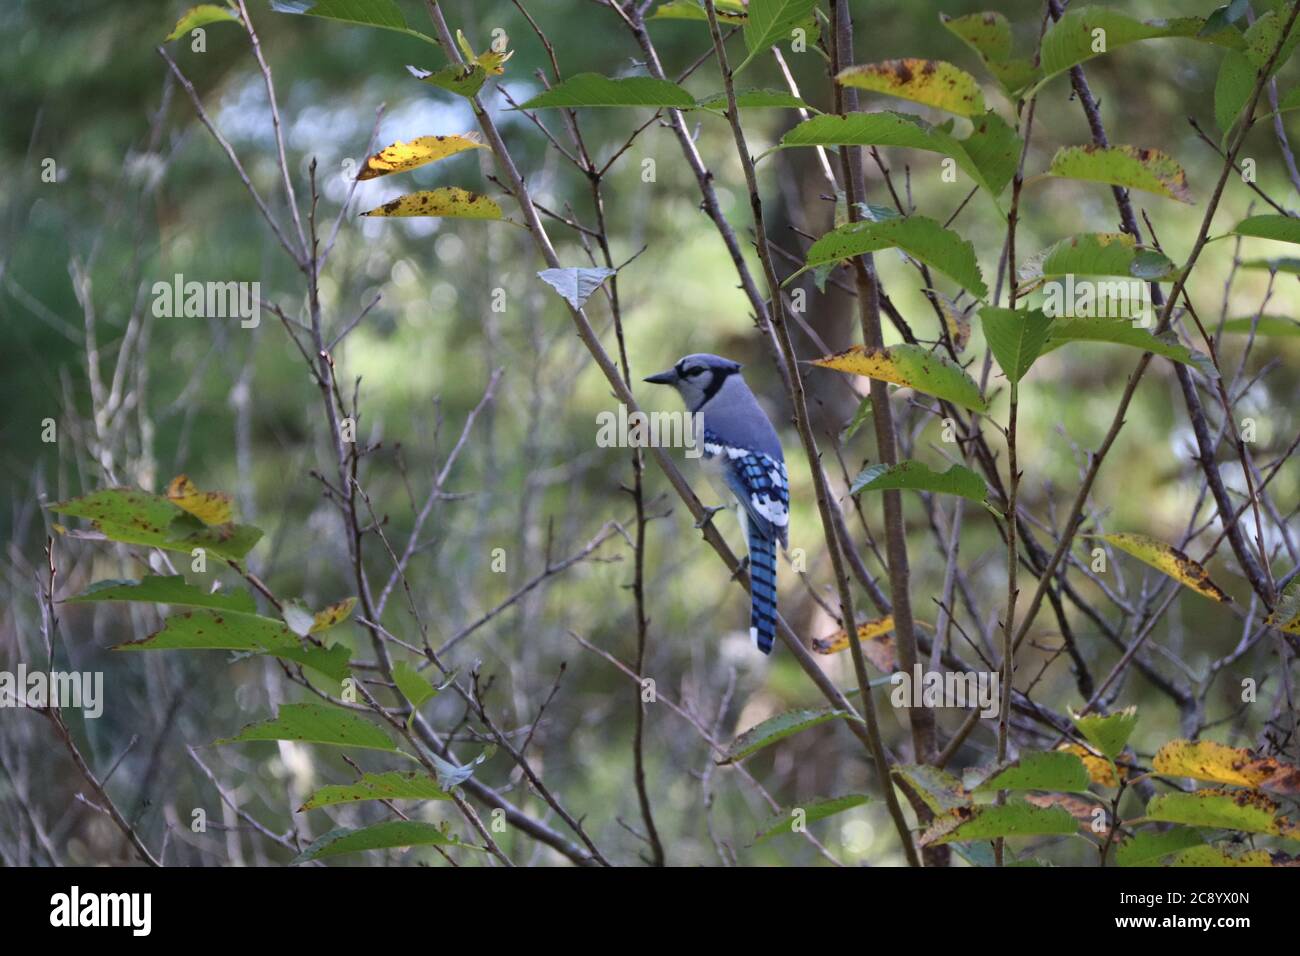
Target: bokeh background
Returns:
[[143, 192]]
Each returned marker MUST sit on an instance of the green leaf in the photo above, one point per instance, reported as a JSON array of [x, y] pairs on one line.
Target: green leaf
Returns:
[[462, 80], [1015, 818], [859, 418], [201, 16], [783, 821], [170, 589], [379, 836], [1264, 325], [137, 517], [1123, 332], [1168, 560], [1149, 848], [939, 790], [449, 202], [1282, 264], [1073, 39], [317, 724], [394, 785], [1016, 338], [385, 14], [754, 99], [413, 686], [592, 89], [1262, 39], [1233, 87], [729, 11], [934, 83], [918, 476], [778, 728], [1223, 855], [989, 35], [1039, 770], [575, 285], [771, 21], [1245, 810], [989, 155], [1108, 734], [1100, 254], [911, 366], [1128, 166], [919, 236], [1281, 228]]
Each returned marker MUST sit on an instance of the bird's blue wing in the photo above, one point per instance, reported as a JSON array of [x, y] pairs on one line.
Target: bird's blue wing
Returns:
[[759, 483]]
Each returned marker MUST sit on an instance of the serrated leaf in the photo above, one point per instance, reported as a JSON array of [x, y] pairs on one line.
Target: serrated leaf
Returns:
[[1245, 810], [385, 14], [989, 35], [394, 785], [1129, 166], [576, 285], [1280, 228], [201, 16], [1124, 332], [1015, 818], [1039, 770], [462, 80], [592, 89], [137, 517], [874, 635], [989, 155], [169, 589], [210, 507], [729, 11], [401, 157], [1222, 856], [1168, 560], [1233, 86], [1264, 325], [918, 476], [1107, 733], [1262, 39], [1149, 847], [777, 728], [911, 366], [919, 236], [1218, 763], [1016, 338], [754, 99], [934, 83], [783, 821], [771, 21], [1100, 254], [378, 836], [316, 724], [938, 789], [450, 202]]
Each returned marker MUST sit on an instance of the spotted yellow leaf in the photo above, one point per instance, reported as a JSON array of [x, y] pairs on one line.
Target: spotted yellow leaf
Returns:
[[1169, 560], [492, 61], [877, 645], [912, 366], [447, 201], [1100, 770], [210, 507], [334, 614], [929, 82], [399, 157], [1217, 763]]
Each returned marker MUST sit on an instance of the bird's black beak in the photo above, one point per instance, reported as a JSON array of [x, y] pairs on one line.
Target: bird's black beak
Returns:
[[663, 378]]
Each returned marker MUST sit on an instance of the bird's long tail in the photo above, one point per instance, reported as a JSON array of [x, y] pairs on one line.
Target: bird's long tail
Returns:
[[762, 587]]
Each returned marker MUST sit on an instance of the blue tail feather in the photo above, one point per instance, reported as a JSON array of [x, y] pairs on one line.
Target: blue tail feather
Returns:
[[762, 586]]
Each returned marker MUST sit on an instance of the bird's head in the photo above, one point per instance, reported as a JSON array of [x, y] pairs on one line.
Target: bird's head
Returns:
[[697, 377]]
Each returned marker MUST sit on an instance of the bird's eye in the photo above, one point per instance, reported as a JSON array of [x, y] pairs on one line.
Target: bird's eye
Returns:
[[693, 371]]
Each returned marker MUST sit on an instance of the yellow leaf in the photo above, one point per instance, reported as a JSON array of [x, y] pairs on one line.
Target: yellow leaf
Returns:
[[210, 507], [1168, 559], [1100, 770], [490, 60], [400, 157], [448, 201], [930, 82], [876, 644], [911, 366], [334, 614], [1217, 763]]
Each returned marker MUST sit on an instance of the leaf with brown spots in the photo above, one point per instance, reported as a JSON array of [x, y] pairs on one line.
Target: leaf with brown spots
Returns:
[[1217, 763], [989, 35], [333, 614], [911, 366], [210, 507], [1100, 770], [317, 724], [400, 157], [1132, 167], [449, 202], [877, 643], [938, 789], [934, 83], [1245, 810], [988, 821], [1168, 560]]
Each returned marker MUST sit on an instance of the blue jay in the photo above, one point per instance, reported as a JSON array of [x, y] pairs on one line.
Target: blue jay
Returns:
[[740, 442]]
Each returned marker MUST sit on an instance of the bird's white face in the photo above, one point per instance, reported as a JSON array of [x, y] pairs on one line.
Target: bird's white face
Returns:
[[696, 377]]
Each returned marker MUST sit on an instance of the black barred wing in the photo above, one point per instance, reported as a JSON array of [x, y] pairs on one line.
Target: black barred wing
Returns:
[[758, 481]]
